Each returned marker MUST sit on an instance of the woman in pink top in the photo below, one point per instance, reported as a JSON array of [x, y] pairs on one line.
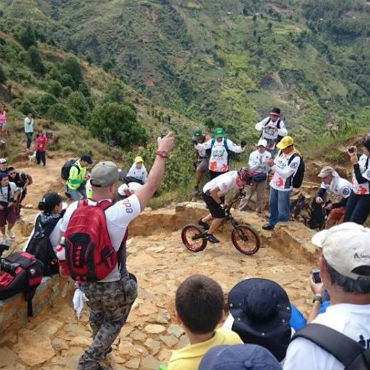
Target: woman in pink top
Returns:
[[2, 121], [40, 145]]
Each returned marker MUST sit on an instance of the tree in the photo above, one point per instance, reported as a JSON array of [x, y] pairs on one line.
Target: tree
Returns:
[[59, 112], [72, 67], [34, 61], [2, 75], [44, 101], [26, 36], [116, 93], [55, 88], [116, 124], [77, 106]]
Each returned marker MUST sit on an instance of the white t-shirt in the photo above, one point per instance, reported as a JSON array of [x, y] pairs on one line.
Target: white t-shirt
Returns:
[[362, 189], [219, 155], [338, 186], [138, 173], [118, 216], [269, 133], [224, 182], [349, 319], [257, 161], [284, 172]]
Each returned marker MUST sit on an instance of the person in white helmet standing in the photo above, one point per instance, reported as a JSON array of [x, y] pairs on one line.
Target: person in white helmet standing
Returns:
[[257, 163]]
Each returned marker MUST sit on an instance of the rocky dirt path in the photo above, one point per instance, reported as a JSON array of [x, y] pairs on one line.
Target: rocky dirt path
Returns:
[[54, 339]]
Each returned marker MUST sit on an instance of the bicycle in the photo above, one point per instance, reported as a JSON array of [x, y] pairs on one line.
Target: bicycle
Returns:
[[244, 238]]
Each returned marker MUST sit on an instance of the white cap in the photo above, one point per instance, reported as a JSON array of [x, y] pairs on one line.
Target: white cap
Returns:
[[262, 142], [346, 248]]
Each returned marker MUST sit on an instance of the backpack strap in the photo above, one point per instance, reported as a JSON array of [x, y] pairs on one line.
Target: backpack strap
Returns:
[[343, 348], [292, 157], [225, 144], [268, 121], [77, 166]]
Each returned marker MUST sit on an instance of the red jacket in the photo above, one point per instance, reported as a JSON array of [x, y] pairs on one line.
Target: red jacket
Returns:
[[40, 143]]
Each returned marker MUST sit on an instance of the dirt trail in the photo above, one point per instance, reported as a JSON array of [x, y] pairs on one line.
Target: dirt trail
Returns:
[[54, 339]]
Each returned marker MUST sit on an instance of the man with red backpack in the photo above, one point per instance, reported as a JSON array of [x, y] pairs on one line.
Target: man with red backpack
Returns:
[[93, 250]]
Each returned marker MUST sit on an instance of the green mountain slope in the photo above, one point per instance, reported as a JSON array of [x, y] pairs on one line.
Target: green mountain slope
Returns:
[[228, 60], [87, 110]]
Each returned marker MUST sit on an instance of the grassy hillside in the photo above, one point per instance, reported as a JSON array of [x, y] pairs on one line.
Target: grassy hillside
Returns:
[[46, 86], [221, 59]]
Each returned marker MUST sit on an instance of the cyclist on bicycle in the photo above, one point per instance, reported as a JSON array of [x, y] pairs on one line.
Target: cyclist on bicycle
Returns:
[[214, 195]]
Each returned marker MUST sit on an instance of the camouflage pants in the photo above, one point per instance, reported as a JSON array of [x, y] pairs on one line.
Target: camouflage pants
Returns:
[[110, 304]]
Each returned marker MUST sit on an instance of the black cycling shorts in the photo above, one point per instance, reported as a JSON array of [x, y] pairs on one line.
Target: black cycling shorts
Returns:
[[214, 208]]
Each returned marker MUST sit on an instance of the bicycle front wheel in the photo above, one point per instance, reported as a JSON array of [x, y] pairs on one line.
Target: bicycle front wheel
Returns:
[[245, 239], [193, 238]]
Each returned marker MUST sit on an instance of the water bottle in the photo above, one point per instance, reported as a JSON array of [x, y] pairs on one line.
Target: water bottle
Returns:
[[61, 255]]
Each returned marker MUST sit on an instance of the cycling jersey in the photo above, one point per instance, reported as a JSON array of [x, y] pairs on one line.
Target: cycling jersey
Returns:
[[338, 186], [284, 171], [218, 162], [224, 182]]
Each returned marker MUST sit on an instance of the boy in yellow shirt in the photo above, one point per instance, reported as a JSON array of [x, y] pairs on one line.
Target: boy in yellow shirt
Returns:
[[199, 307]]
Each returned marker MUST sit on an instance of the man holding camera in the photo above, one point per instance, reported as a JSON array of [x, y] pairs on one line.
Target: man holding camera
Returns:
[[345, 273], [272, 129], [358, 205]]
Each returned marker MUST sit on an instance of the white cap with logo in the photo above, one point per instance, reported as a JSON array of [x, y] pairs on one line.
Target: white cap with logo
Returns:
[[346, 248]]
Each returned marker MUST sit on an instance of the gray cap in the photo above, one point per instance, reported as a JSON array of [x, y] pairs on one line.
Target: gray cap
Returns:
[[104, 174]]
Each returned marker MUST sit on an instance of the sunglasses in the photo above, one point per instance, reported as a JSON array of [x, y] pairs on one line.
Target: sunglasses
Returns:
[[11, 173]]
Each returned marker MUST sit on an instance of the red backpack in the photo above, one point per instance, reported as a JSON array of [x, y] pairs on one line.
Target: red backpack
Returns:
[[89, 253], [20, 272]]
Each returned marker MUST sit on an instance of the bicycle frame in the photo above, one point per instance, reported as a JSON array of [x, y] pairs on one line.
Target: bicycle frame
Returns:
[[228, 214]]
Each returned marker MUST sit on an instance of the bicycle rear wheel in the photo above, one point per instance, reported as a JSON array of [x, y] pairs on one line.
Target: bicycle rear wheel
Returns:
[[193, 239], [245, 239]]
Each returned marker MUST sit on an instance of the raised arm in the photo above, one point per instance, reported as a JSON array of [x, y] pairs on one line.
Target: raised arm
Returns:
[[145, 193]]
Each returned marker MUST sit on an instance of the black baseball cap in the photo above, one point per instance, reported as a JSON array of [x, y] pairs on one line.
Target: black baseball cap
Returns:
[[87, 158]]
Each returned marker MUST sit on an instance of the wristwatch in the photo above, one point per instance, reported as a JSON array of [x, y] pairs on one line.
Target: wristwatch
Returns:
[[162, 153], [317, 297]]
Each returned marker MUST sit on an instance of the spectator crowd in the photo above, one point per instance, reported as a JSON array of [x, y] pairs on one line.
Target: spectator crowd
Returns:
[[257, 327]]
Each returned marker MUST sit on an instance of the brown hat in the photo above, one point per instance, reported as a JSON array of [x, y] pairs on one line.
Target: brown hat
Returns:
[[326, 171]]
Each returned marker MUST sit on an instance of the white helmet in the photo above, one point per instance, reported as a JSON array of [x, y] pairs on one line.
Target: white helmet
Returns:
[[262, 142]]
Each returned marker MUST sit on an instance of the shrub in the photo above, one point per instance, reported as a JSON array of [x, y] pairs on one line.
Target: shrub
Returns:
[[26, 107], [55, 88], [44, 101], [71, 67], [59, 112], [116, 93], [26, 36], [85, 89], [116, 124], [66, 90], [67, 80], [34, 61], [77, 106]]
